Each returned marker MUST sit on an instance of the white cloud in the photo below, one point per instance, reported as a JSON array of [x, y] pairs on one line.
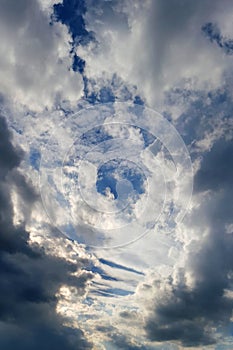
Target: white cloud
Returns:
[[34, 57], [155, 44], [147, 45]]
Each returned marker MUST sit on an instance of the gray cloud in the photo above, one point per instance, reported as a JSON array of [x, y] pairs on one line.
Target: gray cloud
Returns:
[[216, 171], [169, 45], [191, 315], [30, 278], [119, 340], [213, 33]]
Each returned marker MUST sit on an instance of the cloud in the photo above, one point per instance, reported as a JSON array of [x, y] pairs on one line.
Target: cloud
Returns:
[[30, 278], [216, 170], [36, 66], [120, 341], [196, 301], [201, 116], [213, 33], [153, 44], [109, 88], [133, 47]]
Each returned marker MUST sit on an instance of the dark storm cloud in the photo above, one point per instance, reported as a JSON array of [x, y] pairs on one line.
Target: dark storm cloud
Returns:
[[216, 171], [29, 278], [189, 315]]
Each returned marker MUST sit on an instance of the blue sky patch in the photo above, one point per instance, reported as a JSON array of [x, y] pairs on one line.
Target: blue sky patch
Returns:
[[78, 64], [111, 170], [71, 13], [34, 158], [95, 136], [119, 266], [102, 273]]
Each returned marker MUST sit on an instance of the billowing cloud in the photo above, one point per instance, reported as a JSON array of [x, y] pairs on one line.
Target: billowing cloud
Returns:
[[30, 278], [154, 44], [35, 64], [196, 302], [163, 292]]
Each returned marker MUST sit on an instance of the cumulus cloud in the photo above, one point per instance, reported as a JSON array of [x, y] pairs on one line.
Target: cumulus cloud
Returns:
[[195, 302], [30, 278], [154, 44], [36, 67], [123, 48]]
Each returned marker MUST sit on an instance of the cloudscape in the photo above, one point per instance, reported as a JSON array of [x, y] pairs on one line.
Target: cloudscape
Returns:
[[116, 174]]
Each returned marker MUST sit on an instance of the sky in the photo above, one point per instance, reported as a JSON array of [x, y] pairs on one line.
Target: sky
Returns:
[[116, 168]]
